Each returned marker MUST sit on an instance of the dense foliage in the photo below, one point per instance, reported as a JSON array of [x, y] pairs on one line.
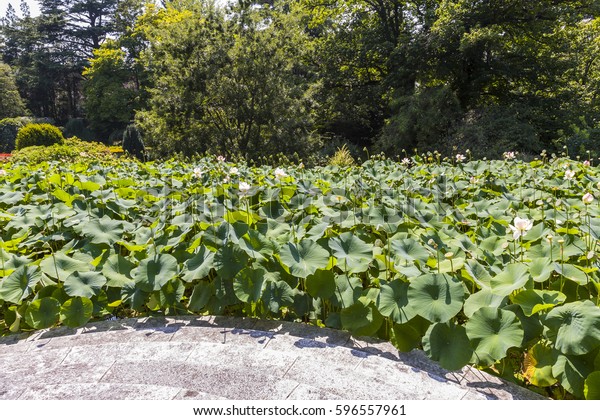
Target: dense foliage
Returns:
[[247, 78], [492, 263], [72, 150], [38, 135]]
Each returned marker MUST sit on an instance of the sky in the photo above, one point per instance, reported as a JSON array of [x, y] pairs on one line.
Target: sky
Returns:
[[33, 6]]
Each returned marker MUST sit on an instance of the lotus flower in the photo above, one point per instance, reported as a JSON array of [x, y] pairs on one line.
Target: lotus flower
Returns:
[[509, 155], [460, 158], [221, 158], [569, 174], [520, 227], [406, 161], [234, 171], [586, 163], [3, 172], [587, 198], [280, 173], [197, 172], [244, 187]]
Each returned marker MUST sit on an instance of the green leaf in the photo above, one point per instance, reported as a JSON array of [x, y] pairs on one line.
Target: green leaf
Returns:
[[19, 284], [277, 294], [85, 284], [574, 327], [512, 277], [540, 269], [103, 231], [571, 272], [591, 387], [199, 265], [60, 266], [171, 293], [347, 291], [492, 332], [408, 250], [361, 318], [436, 297], [117, 270], [538, 366], [305, 258], [229, 260], [448, 344], [571, 371], [392, 302], [132, 295], [481, 299], [43, 313], [248, 284], [256, 245], [407, 336], [202, 293], [321, 284], [352, 253], [154, 272], [533, 301], [76, 312]]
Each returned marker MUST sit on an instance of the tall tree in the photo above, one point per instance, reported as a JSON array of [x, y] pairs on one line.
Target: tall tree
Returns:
[[11, 104]]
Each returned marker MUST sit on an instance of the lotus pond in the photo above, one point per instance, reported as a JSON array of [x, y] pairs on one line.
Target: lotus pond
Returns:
[[488, 263]]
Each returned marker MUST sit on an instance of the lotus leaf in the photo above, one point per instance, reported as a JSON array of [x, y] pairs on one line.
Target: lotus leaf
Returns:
[[436, 297]]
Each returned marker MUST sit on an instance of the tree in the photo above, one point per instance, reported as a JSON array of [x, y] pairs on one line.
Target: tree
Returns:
[[11, 103]]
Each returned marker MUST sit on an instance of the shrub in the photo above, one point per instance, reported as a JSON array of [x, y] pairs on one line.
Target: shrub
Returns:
[[9, 128], [132, 142], [76, 127], [72, 150], [342, 157], [38, 135]]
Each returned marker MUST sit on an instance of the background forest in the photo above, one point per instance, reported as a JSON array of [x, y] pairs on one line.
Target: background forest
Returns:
[[304, 77]]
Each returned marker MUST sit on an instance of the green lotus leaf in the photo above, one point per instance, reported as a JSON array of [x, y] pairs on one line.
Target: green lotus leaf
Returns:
[[436, 297], [249, 283], [117, 270], [571, 371], [171, 293], [407, 336], [304, 258], [591, 387], [321, 284], [361, 318], [538, 365], [448, 344], [155, 271], [512, 277], [134, 296], [533, 301], [277, 294], [574, 327], [60, 266], [76, 312], [43, 313], [19, 284], [481, 299], [408, 250], [392, 302], [540, 269], [573, 273], [229, 260], [352, 253], [347, 291], [103, 231], [256, 245], [478, 274], [199, 265], [492, 332], [85, 284], [201, 294]]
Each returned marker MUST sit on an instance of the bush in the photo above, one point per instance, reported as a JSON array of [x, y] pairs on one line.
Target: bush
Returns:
[[72, 150], [342, 157], [132, 142], [38, 135], [9, 128], [76, 127]]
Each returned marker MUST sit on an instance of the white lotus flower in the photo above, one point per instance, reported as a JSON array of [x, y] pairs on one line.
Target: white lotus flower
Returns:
[[197, 172], [587, 198], [586, 163], [234, 171], [520, 227], [244, 187], [280, 173], [221, 158], [569, 174], [460, 158], [3, 172], [473, 180], [509, 155], [406, 161]]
